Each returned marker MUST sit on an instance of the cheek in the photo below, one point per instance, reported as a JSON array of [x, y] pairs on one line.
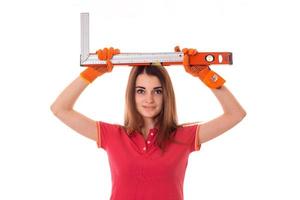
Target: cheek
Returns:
[[159, 100], [137, 99]]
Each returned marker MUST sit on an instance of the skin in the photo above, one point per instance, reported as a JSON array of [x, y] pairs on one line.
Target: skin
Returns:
[[148, 99]]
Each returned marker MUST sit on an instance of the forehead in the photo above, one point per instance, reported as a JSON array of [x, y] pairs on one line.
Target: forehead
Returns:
[[146, 80]]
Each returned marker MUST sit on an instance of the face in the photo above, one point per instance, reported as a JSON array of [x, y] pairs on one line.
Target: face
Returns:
[[148, 96]]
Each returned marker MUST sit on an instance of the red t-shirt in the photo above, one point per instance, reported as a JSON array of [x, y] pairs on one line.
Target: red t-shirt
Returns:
[[139, 170]]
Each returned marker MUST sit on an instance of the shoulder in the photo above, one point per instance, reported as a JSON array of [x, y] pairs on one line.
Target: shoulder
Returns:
[[188, 133], [187, 129], [188, 125], [108, 134], [105, 126]]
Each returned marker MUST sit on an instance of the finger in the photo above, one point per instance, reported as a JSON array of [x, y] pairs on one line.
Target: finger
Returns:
[[105, 51], [177, 49], [187, 68], [116, 51], [192, 52], [186, 60], [110, 53], [100, 54], [185, 50], [186, 63], [109, 65]]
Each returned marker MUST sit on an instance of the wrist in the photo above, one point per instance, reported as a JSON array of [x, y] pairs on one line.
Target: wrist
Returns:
[[211, 78], [90, 74]]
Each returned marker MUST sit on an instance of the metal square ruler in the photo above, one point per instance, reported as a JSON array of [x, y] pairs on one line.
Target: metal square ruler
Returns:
[[136, 59]]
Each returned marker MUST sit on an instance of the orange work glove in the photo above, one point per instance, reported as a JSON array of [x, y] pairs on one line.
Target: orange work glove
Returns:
[[211, 78], [93, 71], [206, 75]]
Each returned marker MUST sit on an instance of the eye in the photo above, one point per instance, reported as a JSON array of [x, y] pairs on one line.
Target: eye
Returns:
[[158, 91], [140, 91]]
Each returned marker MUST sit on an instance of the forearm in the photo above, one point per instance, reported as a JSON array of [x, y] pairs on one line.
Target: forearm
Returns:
[[228, 102], [68, 97]]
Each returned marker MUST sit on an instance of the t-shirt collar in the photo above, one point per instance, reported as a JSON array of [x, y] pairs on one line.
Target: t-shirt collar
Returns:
[[152, 130]]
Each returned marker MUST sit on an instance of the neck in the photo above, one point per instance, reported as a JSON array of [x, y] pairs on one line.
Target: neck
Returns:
[[148, 124]]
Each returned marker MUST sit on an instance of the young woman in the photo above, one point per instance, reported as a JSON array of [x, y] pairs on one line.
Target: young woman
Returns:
[[148, 155]]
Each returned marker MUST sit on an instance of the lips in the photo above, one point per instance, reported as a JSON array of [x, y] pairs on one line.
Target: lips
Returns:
[[149, 107]]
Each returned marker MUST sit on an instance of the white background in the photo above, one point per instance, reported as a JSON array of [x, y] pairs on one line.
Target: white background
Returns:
[[41, 158]]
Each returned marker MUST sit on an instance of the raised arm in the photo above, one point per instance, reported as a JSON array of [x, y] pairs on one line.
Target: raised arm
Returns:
[[233, 112], [63, 105], [62, 108]]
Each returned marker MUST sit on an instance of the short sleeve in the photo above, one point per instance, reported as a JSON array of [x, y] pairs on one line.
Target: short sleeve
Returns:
[[190, 135], [197, 144], [106, 133]]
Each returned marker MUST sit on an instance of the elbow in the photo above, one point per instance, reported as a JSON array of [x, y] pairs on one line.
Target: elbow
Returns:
[[243, 112], [58, 110], [241, 115], [237, 116], [54, 109]]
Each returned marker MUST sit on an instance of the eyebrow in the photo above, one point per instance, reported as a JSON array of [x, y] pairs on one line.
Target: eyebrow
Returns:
[[155, 88]]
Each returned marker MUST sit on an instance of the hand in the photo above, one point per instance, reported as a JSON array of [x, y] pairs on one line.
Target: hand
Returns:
[[193, 70], [107, 54], [206, 75], [94, 71]]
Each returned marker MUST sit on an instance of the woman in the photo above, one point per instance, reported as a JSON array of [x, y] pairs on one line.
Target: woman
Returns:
[[148, 155]]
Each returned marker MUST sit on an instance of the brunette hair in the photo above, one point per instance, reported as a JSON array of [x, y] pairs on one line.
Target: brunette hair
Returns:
[[167, 119]]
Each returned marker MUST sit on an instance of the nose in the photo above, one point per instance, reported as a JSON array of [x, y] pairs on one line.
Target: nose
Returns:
[[149, 98]]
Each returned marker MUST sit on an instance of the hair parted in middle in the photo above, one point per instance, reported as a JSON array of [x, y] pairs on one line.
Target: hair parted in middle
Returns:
[[166, 119]]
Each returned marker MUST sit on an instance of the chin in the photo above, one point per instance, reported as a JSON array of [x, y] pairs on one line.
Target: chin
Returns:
[[149, 114]]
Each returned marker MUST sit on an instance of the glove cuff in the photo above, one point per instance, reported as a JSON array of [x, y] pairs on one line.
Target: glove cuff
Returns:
[[211, 78], [90, 74]]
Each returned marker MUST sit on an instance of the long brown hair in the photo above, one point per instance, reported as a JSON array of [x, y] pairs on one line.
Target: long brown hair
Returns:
[[167, 119]]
